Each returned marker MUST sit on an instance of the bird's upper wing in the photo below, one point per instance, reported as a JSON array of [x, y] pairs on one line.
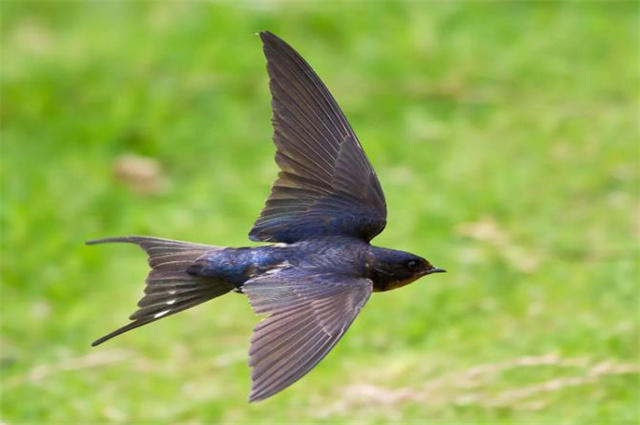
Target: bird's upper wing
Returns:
[[308, 314], [326, 184]]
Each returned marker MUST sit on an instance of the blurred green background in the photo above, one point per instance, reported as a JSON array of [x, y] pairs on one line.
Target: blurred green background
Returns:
[[505, 135]]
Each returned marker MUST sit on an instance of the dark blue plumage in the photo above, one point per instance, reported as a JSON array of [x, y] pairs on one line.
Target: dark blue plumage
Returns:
[[237, 265], [387, 268], [324, 209]]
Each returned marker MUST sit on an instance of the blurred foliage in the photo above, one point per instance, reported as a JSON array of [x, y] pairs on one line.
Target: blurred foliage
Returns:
[[505, 135]]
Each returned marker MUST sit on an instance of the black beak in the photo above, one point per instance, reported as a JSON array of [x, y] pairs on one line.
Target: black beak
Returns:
[[436, 270]]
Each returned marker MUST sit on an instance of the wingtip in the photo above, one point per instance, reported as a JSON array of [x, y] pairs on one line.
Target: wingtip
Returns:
[[268, 37], [254, 398], [256, 394]]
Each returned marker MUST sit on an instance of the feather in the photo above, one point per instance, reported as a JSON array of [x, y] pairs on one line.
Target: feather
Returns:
[[308, 314], [326, 185]]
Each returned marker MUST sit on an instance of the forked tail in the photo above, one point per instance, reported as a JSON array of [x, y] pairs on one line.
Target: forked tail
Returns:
[[169, 288]]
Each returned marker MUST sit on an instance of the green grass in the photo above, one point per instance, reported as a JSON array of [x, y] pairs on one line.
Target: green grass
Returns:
[[505, 135]]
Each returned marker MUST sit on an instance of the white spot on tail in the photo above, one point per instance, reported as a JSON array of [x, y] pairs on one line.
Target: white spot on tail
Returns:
[[162, 313]]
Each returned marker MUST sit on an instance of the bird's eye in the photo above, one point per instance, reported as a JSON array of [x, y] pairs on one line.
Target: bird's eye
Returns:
[[412, 264]]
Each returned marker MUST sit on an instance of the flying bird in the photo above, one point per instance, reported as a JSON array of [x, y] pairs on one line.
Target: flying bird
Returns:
[[319, 269]]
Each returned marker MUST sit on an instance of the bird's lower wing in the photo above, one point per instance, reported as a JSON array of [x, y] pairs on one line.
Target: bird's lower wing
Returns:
[[308, 314]]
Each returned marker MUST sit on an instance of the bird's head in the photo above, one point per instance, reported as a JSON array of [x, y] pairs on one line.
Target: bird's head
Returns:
[[390, 269]]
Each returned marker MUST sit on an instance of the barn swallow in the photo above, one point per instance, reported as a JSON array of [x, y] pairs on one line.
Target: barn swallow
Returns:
[[320, 268]]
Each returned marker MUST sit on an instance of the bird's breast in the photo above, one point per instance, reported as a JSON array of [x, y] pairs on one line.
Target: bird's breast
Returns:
[[381, 285]]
